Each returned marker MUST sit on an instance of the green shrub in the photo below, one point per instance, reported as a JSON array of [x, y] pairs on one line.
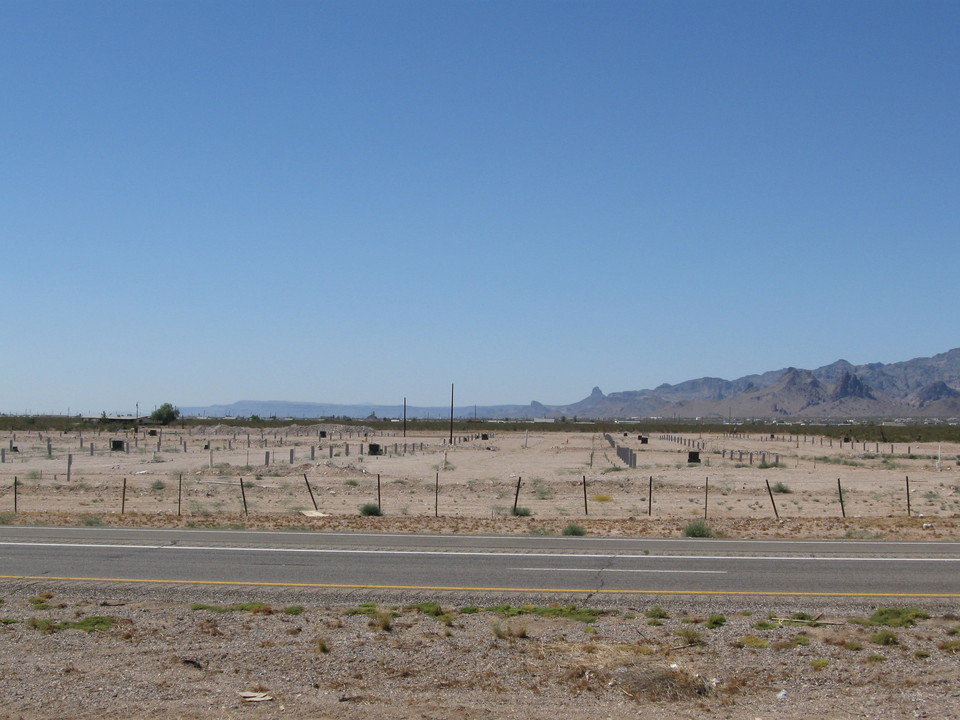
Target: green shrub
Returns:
[[367, 608], [951, 646], [697, 529], [370, 510], [429, 607], [837, 461], [657, 613], [898, 617], [48, 627], [715, 621], [42, 625], [89, 624], [254, 607], [884, 637], [781, 487], [521, 512], [570, 612], [795, 641], [574, 530], [40, 602], [752, 641]]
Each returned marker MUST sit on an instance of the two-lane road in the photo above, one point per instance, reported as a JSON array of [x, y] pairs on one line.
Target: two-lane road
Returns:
[[514, 563]]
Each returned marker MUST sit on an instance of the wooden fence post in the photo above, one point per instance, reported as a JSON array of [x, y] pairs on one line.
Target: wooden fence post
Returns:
[[243, 496], [123, 497], [516, 495], [585, 510], [179, 494], [840, 493], [650, 498], [770, 493], [706, 497], [908, 496], [310, 490]]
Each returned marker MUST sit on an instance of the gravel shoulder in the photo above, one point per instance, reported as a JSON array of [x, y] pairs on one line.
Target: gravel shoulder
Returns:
[[160, 654]]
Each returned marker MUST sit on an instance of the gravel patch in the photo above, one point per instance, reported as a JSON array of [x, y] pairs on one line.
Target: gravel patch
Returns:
[[308, 655]]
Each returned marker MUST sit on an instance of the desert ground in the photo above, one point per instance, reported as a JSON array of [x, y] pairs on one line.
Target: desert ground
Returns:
[[109, 655], [112, 650], [756, 483]]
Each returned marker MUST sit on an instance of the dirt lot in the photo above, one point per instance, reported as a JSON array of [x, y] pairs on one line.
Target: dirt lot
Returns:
[[357, 654], [562, 477]]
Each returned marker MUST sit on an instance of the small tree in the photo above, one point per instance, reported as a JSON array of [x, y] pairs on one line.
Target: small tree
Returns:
[[165, 414]]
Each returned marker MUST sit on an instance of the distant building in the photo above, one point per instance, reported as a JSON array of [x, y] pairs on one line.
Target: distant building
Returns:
[[128, 419]]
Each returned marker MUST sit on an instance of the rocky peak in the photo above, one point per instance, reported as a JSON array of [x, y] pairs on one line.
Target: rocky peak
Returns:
[[935, 391], [798, 388], [850, 386]]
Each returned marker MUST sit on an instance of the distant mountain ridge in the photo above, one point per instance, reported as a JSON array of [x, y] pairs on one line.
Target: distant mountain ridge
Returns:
[[927, 387], [286, 409]]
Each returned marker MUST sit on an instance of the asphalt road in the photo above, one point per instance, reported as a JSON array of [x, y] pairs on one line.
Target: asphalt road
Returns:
[[613, 566]]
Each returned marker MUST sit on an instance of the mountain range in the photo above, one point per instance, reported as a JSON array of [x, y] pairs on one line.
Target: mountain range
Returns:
[[924, 387]]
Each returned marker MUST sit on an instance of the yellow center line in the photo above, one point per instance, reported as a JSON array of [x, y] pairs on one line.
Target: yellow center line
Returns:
[[349, 586]]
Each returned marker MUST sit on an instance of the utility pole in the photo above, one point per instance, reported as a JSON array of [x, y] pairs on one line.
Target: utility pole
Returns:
[[451, 413]]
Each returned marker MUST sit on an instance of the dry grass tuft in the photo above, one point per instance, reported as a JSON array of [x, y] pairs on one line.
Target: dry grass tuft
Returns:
[[660, 684], [585, 677], [509, 631]]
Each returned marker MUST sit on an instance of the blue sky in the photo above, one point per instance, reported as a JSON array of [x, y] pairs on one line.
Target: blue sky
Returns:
[[203, 202]]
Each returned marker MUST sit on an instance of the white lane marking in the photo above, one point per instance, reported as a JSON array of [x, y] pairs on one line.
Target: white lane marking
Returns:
[[731, 541], [86, 545], [319, 551], [607, 570]]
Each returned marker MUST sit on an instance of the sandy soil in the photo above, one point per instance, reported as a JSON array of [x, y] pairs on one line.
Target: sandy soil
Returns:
[[424, 476], [160, 658]]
